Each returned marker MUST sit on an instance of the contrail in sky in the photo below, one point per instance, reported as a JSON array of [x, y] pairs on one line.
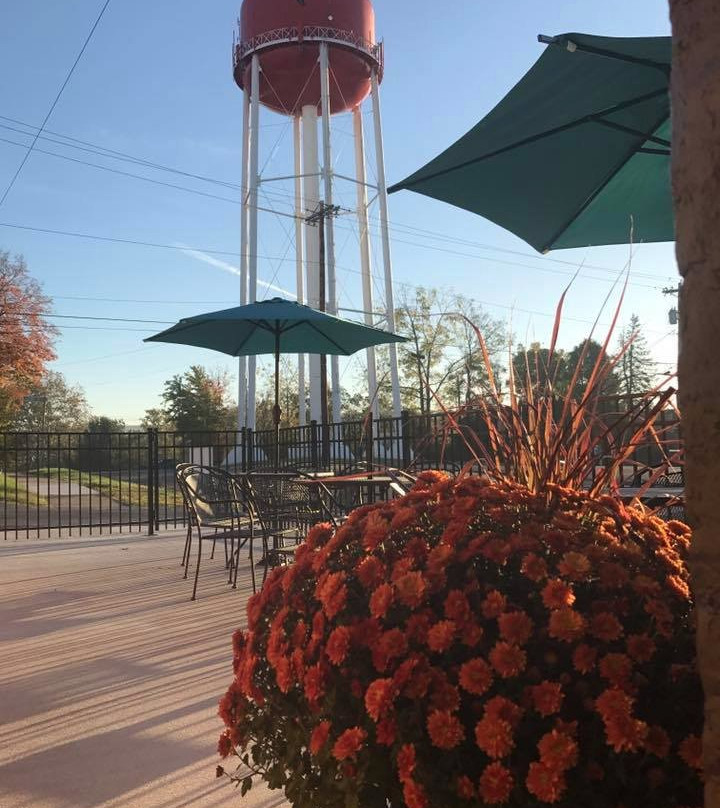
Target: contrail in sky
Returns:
[[216, 262]]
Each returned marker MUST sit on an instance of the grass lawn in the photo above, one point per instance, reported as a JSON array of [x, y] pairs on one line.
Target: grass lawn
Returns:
[[122, 491], [12, 491]]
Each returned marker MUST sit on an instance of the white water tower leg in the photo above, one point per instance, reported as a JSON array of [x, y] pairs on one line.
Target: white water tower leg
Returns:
[[332, 302], [365, 257], [242, 364], [311, 183], [385, 236], [253, 220], [299, 258]]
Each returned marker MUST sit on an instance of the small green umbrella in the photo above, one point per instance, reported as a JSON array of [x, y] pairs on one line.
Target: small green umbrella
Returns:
[[274, 327], [578, 149]]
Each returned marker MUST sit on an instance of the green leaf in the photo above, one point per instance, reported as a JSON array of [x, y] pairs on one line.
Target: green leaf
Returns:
[[246, 786]]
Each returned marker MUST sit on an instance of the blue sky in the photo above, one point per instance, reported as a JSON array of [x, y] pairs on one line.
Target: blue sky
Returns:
[[156, 83]]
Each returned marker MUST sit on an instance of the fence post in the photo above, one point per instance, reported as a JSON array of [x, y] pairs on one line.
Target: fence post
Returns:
[[314, 445], [369, 453], [404, 426], [151, 482], [250, 449], [243, 449]]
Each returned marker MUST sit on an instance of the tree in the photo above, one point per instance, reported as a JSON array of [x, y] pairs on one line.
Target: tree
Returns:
[[53, 405], [423, 319], [534, 369], [198, 401], [696, 191], [443, 355], [585, 355], [636, 368], [26, 338], [157, 418], [467, 376]]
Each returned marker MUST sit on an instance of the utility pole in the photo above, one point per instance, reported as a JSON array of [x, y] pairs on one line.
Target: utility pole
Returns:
[[318, 218]]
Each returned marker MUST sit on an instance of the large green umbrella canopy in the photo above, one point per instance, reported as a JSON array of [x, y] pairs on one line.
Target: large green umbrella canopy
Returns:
[[274, 327], [576, 154]]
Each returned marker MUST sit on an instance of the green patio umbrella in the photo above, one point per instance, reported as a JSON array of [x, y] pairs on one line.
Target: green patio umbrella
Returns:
[[274, 327], [578, 149]]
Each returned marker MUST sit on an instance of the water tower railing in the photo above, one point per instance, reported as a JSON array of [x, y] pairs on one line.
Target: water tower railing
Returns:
[[314, 33]]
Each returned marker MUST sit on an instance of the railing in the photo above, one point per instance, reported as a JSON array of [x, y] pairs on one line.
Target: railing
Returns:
[[314, 33], [74, 484]]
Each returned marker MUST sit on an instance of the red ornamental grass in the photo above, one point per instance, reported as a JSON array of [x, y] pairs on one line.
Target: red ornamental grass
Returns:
[[429, 671]]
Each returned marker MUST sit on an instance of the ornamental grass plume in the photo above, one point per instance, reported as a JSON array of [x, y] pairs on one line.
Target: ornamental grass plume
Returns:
[[494, 646]]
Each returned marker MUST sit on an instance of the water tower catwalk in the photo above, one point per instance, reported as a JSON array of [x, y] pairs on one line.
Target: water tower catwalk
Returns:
[[310, 60]]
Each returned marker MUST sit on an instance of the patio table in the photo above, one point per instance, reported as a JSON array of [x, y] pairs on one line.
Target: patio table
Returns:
[[354, 489], [656, 493]]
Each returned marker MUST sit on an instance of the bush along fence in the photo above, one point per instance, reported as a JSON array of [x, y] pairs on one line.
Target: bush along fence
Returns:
[[72, 484]]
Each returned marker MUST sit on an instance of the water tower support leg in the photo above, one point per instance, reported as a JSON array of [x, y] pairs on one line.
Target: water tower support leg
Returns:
[[253, 219], [330, 226], [385, 234], [311, 189], [299, 247], [242, 367], [365, 259]]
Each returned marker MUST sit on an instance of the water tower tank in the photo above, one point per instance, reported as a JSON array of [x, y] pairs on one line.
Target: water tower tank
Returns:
[[286, 35]]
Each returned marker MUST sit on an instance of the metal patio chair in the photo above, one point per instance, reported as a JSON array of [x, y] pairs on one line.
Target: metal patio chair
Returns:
[[286, 508], [219, 510]]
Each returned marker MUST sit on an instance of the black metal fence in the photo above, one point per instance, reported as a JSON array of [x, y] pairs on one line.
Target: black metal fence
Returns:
[[63, 484]]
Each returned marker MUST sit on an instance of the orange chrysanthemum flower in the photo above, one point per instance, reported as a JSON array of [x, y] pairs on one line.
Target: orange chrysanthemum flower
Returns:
[[657, 742], [547, 697], [612, 575], [494, 737], [349, 743], [558, 751], [319, 737], [496, 784], [414, 795], [471, 635], [332, 593], [494, 604], [612, 703], [502, 709], [616, 668], [338, 645], [507, 659], [566, 625], [678, 585], [545, 783], [556, 594], [370, 572], [314, 684], [375, 530], [515, 627], [690, 751], [640, 647], [444, 729], [606, 627], [625, 733], [457, 607], [379, 697], [381, 600], [534, 567], [441, 636], [410, 589], [574, 566], [475, 676], [385, 732], [465, 788], [584, 657], [406, 761]]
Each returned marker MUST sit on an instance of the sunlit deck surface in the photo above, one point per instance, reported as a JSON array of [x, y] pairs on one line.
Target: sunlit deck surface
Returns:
[[110, 676]]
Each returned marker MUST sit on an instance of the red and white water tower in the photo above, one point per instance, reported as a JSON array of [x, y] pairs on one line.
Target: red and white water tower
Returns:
[[310, 60]]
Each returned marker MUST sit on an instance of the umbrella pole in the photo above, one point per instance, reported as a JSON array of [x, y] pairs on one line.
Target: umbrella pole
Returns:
[[277, 412]]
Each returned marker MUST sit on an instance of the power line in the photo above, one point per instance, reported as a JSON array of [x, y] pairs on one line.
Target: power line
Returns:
[[54, 103], [394, 226]]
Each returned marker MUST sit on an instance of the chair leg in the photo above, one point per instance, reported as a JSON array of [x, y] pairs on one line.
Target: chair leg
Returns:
[[212, 555], [228, 561], [229, 564], [189, 550], [186, 551], [197, 569]]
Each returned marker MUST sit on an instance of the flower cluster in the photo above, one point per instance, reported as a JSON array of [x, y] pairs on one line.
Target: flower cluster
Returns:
[[475, 644]]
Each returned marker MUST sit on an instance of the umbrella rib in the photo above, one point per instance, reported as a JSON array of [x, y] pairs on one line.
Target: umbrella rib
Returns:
[[330, 339], [532, 139], [255, 325], [563, 42], [601, 187], [630, 131]]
